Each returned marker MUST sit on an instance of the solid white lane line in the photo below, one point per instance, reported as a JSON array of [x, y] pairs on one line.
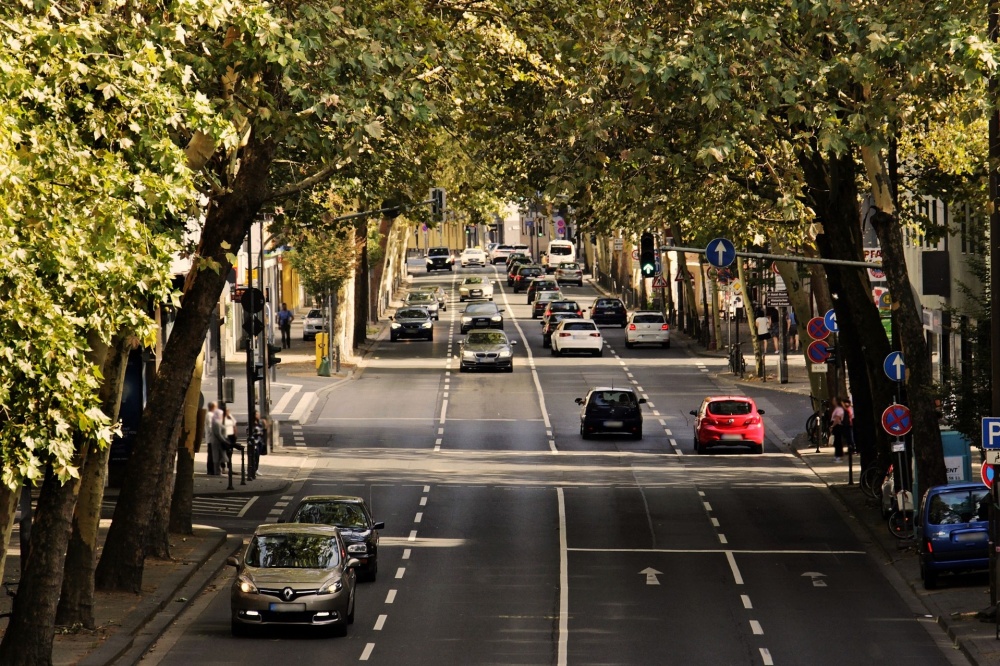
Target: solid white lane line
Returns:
[[367, 652], [413, 536], [406, 553], [419, 517], [746, 602], [708, 507], [423, 501], [400, 571], [531, 364], [756, 628], [563, 644], [380, 622], [246, 506], [765, 654], [444, 410], [737, 576], [715, 522], [723, 539], [389, 598]]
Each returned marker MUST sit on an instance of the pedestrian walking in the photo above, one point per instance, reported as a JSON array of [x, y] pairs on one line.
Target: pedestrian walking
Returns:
[[208, 435], [793, 330], [837, 428], [762, 326], [285, 319], [849, 425], [256, 444], [217, 441]]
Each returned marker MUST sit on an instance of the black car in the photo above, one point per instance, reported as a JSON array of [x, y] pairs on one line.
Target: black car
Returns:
[[522, 275], [609, 311], [513, 267], [439, 259], [352, 516], [411, 323], [486, 350], [611, 410], [482, 315], [549, 324], [541, 284], [516, 257]]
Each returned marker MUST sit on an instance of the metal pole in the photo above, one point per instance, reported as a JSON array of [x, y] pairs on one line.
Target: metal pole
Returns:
[[251, 374], [994, 185], [785, 257], [783, 359]]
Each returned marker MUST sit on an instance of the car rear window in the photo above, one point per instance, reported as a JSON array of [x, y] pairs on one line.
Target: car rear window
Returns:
[[958, 506], [608, 303], [561, 249], [729, 407], [568, 267], [579, 326], [612, 398], [531, 271], [314, 314], [565, 305], [647, 319]]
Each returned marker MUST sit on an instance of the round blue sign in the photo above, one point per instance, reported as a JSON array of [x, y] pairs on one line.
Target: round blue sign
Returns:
[[720, 252], [830, 319], [894, 367]]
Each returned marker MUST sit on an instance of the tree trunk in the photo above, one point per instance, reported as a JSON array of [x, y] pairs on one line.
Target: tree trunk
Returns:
[[831, 189], [157, 531], [8, 507], [361, 284], [192, 431], [29, 635], [76, 603], [229, 217], [800, 305], [379, 269]]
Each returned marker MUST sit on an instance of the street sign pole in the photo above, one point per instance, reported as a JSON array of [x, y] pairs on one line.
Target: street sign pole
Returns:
[[783, 359]]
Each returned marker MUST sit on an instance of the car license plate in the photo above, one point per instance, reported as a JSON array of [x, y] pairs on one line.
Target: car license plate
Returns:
[[487, 360], [732, 438], [613, 424], [287, 608], [970, 537]]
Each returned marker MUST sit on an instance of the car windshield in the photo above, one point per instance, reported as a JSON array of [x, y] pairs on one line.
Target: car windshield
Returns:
[[486, 338], [613, 399], [314, 314], [568, 267], [481, 309], [472, 251], [729, 407], [647, 319], [579, 326], [339, 514], [473, 280], [438, 252], [561, 249], [293, 551], [958, 506], [418, 297], [412, 313]]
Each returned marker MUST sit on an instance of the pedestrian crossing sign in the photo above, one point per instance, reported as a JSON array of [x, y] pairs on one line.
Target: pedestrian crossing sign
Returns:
[[659, 282]]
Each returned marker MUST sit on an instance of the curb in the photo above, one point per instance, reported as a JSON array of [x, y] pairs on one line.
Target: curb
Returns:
[[151, 612]]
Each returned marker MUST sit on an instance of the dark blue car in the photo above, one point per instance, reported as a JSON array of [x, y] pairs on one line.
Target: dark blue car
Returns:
[[953, 531]]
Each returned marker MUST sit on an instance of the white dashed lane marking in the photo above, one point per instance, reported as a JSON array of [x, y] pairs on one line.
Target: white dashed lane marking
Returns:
[[389, 598], [367, 652]]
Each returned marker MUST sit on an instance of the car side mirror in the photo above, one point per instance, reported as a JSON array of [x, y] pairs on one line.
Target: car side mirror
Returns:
[[642, 401], [513, 342], [233, 561], [579, 401], [378, 526], [693, 413], [502, 310], [760, 411], [353, 563]]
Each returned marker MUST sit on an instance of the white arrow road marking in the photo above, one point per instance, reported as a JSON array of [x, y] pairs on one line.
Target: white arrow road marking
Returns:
[[651, 575], [816, 577]]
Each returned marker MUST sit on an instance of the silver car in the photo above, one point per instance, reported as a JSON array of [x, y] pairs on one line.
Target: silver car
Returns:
[[314, 323], [438, 292], [293, 574], [421, 299]]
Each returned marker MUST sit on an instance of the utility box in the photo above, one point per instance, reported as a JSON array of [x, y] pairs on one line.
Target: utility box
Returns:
[[228, 390], [957, 456]]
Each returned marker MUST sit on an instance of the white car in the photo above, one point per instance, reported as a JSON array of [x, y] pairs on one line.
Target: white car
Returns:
[[475, 288], [499, 254], [577, 335], [314, 323], [647, 328], [472, 256]]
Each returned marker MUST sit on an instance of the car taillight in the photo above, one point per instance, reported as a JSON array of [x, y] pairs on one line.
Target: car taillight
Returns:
[[548, 312], [930, 548], [753, 420], [665, 327], [564, 335], [631, 327], [707, 421], [595, 335]]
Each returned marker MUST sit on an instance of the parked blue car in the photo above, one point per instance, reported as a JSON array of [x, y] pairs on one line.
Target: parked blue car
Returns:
[[953, 531]]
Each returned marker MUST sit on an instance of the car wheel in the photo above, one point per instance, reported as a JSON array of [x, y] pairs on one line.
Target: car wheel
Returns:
[[629, 345], [929, 577], [461, 299], [666, 345], [698, 448], [599, 352], [757, 449], [533, 315], [238, 629], [510, 368], [546, 344], [430, 338], [555, 352], [580, 283], [637, 434], [462, 368], [350, 613], [583, 432], [623, 324], [393, 338]]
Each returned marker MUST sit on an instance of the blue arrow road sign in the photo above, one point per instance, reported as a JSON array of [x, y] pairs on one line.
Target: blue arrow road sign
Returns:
[[991, 433], [830, 319], [894, 367], [720, 252]]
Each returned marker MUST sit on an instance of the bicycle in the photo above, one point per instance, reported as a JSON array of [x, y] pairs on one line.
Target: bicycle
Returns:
[[818, 425], [737, 363], [870, 481], [901, 519]]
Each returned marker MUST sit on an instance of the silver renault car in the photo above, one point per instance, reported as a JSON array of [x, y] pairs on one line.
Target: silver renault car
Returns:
[[293, 575]]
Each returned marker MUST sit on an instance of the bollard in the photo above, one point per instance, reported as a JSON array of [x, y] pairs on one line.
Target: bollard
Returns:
[[243, 466], [229, 468]]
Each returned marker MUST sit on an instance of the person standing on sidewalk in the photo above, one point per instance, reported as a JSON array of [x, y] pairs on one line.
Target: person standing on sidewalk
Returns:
[[837, 428], [848, 425], [793, 331], [256, 444], [285, 318], [209, 417], [762, 326], [218, 441]]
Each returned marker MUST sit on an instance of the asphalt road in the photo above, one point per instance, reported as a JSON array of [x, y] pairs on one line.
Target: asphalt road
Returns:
[[510, 540]]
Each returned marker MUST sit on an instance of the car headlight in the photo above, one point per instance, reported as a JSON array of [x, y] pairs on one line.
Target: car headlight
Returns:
[[505, 353], [463, 291], [426, 324], [246, 585], [466, 320], [395, 325], [331, 587], [496, 318], [469, 355], [357, 548]]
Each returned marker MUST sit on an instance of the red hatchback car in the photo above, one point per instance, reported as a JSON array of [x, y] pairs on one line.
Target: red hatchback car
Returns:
[[728, 420]]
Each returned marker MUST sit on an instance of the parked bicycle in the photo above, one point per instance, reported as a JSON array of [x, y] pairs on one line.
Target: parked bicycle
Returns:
[[737, 363], [818, 425], [897, 506], [871, 480]]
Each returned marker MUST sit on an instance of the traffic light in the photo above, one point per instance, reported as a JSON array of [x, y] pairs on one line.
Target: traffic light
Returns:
[[647, 255], [437, 203], [272, 355], [252, 301]]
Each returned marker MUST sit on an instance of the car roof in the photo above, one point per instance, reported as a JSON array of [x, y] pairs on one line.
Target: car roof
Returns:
[[297, 528], [716, 398], [613, 388], [345, 499], [647, 312], [584, 320]]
